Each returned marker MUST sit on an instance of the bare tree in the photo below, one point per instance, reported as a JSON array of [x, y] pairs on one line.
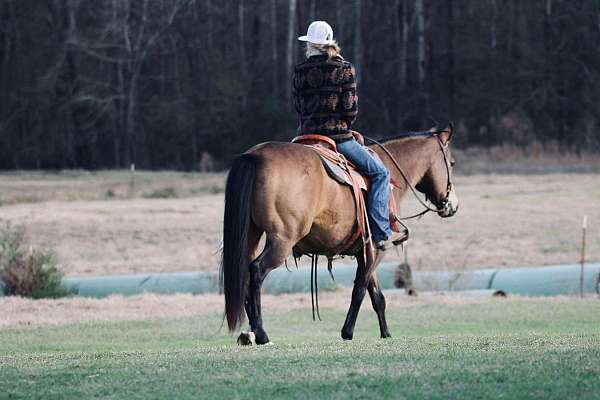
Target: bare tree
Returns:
[[420, 13], [402, 30], [274, 42], [450, 52], [493, 25], [291, 46], [93, 84], [357, 45], [242, 46], [339, 20]]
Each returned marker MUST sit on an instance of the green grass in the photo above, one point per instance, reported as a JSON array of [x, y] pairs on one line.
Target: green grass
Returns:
[[515, 349]]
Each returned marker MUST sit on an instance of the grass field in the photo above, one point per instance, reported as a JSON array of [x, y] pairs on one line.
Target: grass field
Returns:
[[525, 348]]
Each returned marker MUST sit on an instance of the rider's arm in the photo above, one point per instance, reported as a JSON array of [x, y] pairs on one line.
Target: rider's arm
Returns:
[[295, 93], [349, 96]]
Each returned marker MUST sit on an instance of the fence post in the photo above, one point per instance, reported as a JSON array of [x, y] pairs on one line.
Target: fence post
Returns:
[[583, 231], [132, 180]]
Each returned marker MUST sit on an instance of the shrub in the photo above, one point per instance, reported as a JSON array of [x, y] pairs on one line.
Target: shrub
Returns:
[[165, 193], [34, 273]]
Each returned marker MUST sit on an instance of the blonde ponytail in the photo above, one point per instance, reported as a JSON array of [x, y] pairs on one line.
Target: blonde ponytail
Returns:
[[332, 49]]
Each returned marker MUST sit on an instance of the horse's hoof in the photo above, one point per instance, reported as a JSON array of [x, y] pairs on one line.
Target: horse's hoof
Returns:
[[347, 336], [246, 338], [261, 337], [386, 335]]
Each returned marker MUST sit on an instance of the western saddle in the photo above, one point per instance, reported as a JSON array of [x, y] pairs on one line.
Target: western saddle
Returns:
[[345, 173]]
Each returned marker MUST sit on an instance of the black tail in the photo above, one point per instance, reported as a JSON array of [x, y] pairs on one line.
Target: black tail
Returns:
[[236, 225]]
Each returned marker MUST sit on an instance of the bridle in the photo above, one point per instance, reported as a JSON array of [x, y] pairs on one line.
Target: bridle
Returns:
[[444, 204]]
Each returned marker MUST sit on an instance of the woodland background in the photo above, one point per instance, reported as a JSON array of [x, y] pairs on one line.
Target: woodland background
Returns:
[[174, 83]]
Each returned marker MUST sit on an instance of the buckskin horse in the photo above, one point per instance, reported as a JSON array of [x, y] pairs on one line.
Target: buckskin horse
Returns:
[[282, 190]]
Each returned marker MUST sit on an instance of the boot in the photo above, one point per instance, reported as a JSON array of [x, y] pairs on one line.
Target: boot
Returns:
[[395, 239]]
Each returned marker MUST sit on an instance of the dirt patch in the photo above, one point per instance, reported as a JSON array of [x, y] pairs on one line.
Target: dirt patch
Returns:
[[25, 312], [126, 236], [72, 185]]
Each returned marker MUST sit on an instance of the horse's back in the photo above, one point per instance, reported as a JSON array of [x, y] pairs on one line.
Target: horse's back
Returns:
[[284, 152], [287, 168]]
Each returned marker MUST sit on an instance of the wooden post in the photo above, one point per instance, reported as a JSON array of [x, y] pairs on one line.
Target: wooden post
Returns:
[[583, 231], [132, 181]]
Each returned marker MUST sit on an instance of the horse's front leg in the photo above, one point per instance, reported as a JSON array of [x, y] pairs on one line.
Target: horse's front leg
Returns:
[[358, 294]]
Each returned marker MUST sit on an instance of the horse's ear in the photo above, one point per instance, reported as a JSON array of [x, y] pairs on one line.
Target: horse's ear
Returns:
[[447, 133]]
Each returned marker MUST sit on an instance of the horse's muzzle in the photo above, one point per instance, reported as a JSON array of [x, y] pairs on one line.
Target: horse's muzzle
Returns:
[[449, 206]]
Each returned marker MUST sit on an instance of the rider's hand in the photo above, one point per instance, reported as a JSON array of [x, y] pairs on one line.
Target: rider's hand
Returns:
[[358, 137]]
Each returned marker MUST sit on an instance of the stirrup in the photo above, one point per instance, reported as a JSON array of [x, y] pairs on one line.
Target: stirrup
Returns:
[[384, 245]]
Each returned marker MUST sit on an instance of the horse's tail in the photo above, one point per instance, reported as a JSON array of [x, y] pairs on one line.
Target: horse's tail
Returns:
[[236, 247]]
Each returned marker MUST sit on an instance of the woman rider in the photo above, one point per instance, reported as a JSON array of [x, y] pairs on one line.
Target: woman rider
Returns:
[[326, 101]]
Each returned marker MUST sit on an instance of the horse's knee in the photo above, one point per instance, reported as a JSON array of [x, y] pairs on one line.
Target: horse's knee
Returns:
[[380, 298], [358, 293]]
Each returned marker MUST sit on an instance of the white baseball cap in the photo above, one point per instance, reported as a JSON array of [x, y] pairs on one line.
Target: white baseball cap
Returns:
[[319, 32]]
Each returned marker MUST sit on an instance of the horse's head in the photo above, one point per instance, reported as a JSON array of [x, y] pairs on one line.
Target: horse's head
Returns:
[[437, 182]]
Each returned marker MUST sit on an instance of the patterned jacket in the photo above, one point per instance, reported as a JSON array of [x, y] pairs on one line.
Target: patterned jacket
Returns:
[[325, 96]]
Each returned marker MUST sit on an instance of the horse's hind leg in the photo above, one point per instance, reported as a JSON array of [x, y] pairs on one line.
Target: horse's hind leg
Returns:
[[275, 251], [378, 302], [358, 294]]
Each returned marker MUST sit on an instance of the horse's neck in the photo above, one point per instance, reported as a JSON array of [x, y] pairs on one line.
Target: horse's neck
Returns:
[[413, 155]]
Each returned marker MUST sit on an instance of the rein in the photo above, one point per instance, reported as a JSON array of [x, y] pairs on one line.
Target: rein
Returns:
[[412, 188]]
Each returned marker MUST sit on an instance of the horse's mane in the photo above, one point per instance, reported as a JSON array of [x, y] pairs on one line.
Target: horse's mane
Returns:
[[404, 135]]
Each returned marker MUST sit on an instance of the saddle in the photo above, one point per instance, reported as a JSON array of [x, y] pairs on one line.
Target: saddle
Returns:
[[345, 173]]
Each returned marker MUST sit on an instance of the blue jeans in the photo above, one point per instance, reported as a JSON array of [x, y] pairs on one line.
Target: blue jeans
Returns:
[[377, 197]]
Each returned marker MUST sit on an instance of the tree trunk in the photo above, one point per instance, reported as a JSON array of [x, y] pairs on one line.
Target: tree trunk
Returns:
[[420, 14], [404, 51], [291, 47], [241, 38], [493, 25], [242, 61], [73, 131], [357, 45], [5, 72], [131, 126], [511, 27], [420, 11], [450, 52], [339, 21], [274, 42]]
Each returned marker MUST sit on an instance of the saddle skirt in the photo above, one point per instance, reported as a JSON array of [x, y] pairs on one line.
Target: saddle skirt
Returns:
[[337, 166], [345, 173]]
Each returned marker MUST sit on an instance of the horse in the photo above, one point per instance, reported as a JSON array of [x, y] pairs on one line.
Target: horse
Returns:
[[282, 190]]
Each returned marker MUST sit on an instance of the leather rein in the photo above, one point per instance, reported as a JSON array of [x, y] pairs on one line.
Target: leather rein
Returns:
[[443, 146]]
